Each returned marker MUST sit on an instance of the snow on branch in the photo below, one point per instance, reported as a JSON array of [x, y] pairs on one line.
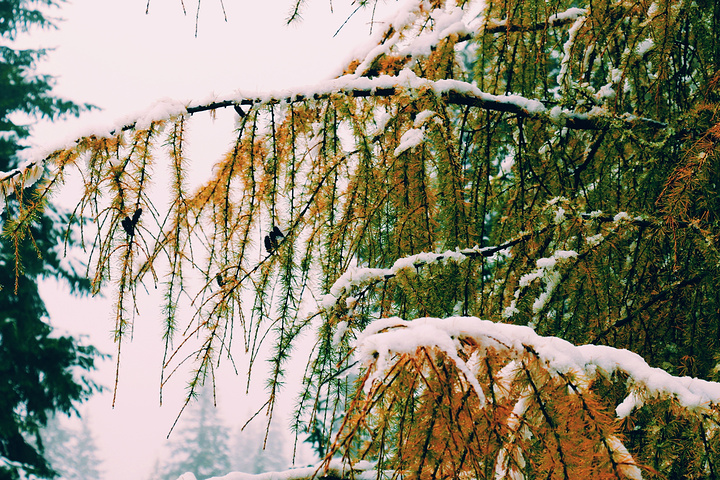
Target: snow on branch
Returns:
[[483, 394], [356, 276], [454, 92], [556, 20], [335, 470], [388, 337]]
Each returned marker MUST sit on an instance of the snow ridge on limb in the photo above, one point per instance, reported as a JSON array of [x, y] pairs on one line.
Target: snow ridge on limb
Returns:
[[538, 390], [394, 336], [335, 470], [453, 91], [356, 276]]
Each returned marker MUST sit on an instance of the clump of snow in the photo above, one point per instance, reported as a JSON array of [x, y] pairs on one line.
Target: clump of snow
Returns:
[[621, 216], [503, 468], [406, 12], [606, 92], [652, 11], [507, 164], [422, 117], [510, 310], [160, 110], [476, 15], [448, 22], [337, 468], [567, 50], [355, 275], [594, 240], [547, 272], [644, 46], [631, 402], [552, 279], [9, 136], [528, 278], [569, 14], [505, 167], [562, 254], [32, 171], [395, 339], [340, 331], [24, 176], [546, 262], [411, 138], [558, 115], [622, 458]]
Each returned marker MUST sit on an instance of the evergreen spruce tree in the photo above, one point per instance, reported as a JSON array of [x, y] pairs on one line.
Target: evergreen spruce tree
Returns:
[[201, 445], [38, 369], [257, 450], [87, 463], [71, 450], [501, 219], [58, 441]]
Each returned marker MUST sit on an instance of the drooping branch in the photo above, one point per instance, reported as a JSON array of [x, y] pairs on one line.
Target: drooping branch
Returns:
[[393, 336], [549, 399], [658, 297], [452, 91], [360, 275]]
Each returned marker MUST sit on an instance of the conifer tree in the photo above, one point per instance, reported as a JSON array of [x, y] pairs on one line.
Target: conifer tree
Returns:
[[41, 372], [200, 446], [256, 450], [71, 450], [501, 219]]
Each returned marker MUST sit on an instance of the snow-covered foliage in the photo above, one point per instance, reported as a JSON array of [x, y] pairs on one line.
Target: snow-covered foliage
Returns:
[[499, 223]]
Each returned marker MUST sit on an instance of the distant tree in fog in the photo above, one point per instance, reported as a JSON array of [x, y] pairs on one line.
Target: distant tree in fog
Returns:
[[200, 444], [70, 449], [253, 454]]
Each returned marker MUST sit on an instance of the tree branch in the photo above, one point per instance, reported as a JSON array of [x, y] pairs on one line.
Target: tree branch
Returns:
[[658, 297], [456, 96]]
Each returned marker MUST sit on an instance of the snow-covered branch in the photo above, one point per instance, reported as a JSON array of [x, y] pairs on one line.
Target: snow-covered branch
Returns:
[[356, 276], [454, 92], [556, 20], [388, 337], [335, 470]]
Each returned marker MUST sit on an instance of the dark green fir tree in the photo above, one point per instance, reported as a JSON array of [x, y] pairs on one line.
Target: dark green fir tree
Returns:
[[38, 368]]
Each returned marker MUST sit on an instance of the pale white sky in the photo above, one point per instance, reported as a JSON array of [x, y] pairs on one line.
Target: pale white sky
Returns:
[[109, 53]]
